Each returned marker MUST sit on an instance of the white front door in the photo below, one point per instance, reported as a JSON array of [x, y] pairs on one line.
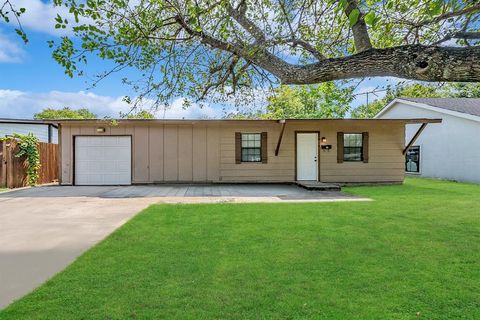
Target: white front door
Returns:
[[307, 154], [103, 160]]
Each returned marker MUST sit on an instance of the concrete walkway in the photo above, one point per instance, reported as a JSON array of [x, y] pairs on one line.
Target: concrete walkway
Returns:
[[257, 192], [43, 229]]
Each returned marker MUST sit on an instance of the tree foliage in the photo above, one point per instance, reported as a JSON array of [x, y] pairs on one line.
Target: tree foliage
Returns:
[[28, 148], [142, 114], [8, 12], [326, 100], [65, 113], [454, 90], [212, 49]]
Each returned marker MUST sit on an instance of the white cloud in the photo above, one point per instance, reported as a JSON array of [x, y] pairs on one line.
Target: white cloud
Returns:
[[10, 51], [40, 16], [22, 104]]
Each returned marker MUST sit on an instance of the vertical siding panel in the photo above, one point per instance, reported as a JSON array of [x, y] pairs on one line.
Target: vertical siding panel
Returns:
[[199, 153], [185, 153], [213, 153], [88, 130], [117, 130], [156, 153], [66, 157], [141, 154], [75, 131], [129, 130], [170, 155]]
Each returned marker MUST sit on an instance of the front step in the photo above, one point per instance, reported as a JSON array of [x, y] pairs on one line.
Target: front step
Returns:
[[319, 186]]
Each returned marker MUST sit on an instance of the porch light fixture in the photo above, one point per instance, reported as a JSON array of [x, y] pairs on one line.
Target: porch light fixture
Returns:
[[324, 140], [100, 130]]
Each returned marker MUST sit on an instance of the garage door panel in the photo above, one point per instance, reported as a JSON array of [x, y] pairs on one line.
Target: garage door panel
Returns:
[[103, 160], [123, 165], [91, 152]]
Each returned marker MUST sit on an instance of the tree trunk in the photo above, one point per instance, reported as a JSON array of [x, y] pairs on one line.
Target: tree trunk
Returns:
[[417, 62]]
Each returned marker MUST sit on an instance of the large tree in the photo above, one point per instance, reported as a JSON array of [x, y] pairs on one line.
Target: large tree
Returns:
[[202, 47], [195, 47]]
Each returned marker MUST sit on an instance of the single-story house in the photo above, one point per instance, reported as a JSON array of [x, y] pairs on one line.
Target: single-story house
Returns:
[[122, 152], [450, 150], [45, 131]]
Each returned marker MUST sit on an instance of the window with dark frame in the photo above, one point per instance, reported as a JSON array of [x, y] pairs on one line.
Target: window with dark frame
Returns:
[[352, 147], [251, 147], [412, 160]]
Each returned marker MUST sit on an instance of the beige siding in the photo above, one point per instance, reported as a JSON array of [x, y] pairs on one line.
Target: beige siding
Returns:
[[213, 153], [199, 150], [142, 154], [156, 153], [170, 153], [205, 151], [185, 153]]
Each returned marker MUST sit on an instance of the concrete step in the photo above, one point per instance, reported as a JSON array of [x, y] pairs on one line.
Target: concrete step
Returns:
[[320, 186]]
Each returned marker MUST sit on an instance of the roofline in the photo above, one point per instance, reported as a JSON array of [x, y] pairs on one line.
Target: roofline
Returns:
[[428, 107], [100, 121], [29, 121]]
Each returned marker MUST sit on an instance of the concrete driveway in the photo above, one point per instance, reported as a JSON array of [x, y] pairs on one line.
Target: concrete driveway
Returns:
[[40, 236], [43, 229]]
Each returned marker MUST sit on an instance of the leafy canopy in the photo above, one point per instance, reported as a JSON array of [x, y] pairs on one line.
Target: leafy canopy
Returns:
[[65, 113], [212, 49]]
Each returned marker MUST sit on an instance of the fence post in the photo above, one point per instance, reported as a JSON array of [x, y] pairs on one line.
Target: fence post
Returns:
[[3, 165]]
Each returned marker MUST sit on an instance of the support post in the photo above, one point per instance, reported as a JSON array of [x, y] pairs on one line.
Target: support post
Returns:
[[419, 131], [277, 149]]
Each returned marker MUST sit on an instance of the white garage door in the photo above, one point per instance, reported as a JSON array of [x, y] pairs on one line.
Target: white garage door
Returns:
[[103, 160]]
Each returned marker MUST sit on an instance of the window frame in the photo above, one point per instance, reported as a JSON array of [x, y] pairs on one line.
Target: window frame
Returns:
[[418, 162], [360, 147], [254, 148]]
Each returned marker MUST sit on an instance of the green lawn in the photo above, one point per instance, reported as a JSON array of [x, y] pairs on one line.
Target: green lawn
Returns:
[[412, 253]]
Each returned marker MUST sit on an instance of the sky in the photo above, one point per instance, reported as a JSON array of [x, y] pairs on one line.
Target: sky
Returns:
[[30, 80]]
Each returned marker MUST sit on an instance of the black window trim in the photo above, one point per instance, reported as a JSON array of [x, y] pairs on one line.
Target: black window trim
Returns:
[[418, 162], [242, 147], [361, 147]]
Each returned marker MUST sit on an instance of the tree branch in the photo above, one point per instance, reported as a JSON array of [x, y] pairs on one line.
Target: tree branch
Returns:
[[307, 46], [466, 35], [359, 29], [247, 24], [416, 62], [447, 15]]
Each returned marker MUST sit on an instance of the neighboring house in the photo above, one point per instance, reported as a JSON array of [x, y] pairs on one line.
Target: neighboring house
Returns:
[[45, 131], [450, 150], [99, 152]]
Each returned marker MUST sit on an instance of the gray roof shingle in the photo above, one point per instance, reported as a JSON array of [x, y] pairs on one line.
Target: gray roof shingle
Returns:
[[463, 105]]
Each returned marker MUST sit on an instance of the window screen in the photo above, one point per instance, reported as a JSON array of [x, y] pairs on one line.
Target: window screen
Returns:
[[412, 159], [251, 147], [352, 147]]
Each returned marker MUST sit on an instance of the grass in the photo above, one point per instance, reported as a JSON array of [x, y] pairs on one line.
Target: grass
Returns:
[[412, 253]]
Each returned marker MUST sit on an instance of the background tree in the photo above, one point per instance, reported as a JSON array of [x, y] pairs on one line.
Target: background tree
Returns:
[[65, 113], [455, 90], [326, 100], [142, 114], [215, 48]]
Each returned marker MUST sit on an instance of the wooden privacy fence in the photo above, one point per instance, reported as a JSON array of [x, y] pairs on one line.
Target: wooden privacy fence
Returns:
[[13, 173]]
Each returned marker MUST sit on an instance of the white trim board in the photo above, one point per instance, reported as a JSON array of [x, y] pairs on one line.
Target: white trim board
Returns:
[[427, 107]]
